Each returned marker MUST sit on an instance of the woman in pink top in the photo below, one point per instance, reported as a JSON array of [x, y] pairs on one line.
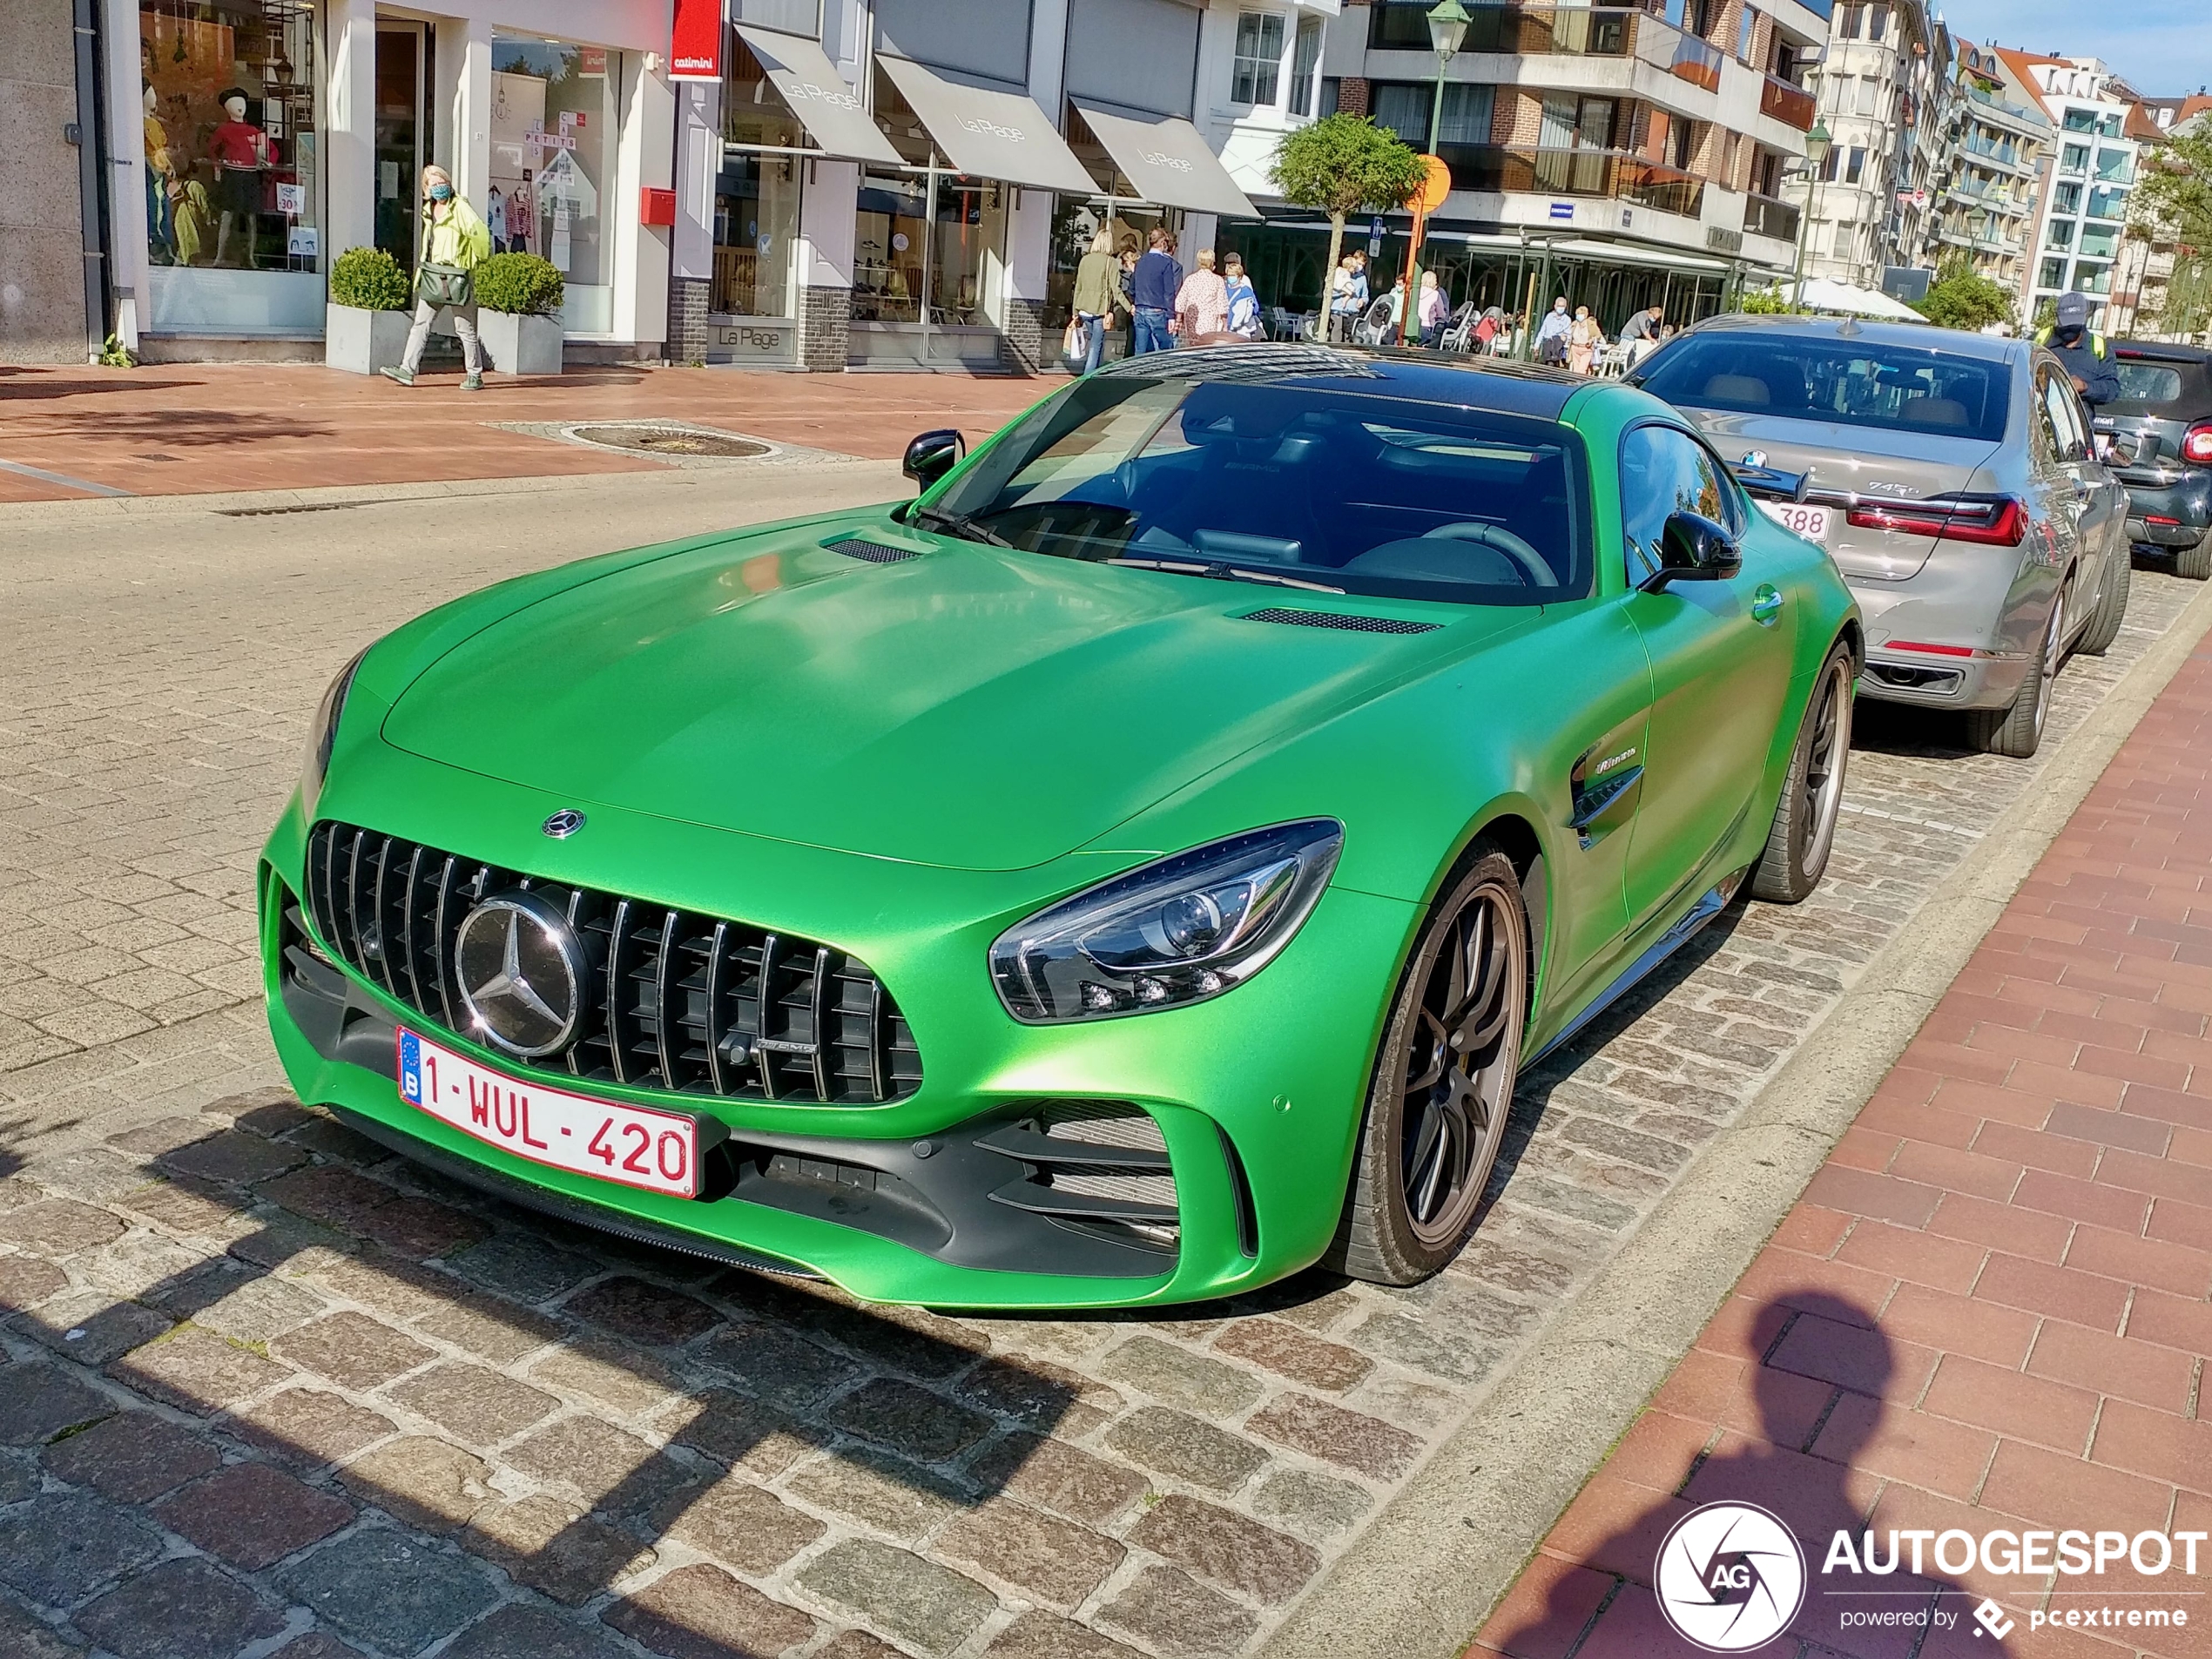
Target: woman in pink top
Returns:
[[1202, 303]]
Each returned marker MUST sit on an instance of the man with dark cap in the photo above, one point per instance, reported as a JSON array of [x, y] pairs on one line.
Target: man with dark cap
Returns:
[[2081, 351]]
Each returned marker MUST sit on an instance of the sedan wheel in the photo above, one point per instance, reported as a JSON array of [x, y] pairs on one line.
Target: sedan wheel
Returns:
[[2018, 730], [1443, 1081]]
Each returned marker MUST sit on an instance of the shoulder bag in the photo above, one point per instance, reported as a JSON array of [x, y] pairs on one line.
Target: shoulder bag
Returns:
[[441, 284]]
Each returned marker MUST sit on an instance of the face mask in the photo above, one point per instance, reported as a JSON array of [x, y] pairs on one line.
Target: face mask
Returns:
[[441, 192]]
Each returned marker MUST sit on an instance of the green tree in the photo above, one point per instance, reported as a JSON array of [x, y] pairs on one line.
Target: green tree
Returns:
[[2173, 197], [1342, 164], [1958, 298], [1766, 302]]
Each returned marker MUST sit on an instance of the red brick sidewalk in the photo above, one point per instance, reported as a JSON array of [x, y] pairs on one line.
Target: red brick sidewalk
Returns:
[[1989, 1309], [184, 430]]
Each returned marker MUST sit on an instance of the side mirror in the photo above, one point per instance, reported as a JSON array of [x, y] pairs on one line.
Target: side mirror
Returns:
[[1694, 548], [930, 455]]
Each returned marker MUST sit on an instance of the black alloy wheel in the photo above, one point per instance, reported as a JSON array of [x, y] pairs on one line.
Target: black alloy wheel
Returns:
[[1804, 831], [1443, 1083]]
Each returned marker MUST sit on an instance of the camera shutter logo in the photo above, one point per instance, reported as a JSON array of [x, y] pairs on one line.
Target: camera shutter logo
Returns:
[[1730, 1577]]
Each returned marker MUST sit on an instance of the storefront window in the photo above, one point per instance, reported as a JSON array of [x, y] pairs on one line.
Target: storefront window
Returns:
[[553, 144], [756, 220], [890, 241], [970, 225], [1074, 222], [232, 177]]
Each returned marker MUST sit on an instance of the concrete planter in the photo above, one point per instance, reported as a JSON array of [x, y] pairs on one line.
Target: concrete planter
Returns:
[[517, 345], [362, 342]]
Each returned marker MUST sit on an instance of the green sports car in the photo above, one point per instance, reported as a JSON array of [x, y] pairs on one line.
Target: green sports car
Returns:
[[1132, 871]]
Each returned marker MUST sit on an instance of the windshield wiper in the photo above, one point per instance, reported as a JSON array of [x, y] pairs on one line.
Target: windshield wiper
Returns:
[[1223, 573], [958, 524]]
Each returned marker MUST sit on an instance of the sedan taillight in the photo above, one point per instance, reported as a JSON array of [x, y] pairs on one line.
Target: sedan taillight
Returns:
[[2002, 522], [2196, 444]]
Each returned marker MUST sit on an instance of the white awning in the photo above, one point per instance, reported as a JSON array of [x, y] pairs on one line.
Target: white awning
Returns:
[[826, 106], [1167, 161], [987, 132]]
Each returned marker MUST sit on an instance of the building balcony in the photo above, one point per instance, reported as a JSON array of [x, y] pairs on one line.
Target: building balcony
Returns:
[[1791, 106], [1766, 216], [1528, 170]]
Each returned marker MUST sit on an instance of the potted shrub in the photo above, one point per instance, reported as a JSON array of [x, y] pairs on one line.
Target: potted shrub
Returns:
[[518, 307], [365, 324]]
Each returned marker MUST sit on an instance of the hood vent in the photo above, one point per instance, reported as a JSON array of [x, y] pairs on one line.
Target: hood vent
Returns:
[[1350, 625], [872, 552]]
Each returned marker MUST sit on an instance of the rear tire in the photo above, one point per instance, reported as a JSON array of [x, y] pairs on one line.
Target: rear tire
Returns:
[[1443, 1081], [1805, 819], [2017, 732], [2112, 605], [2195, 564]]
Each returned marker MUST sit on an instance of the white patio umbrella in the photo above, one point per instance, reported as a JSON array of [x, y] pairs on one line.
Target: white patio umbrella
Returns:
[[1825, 293]]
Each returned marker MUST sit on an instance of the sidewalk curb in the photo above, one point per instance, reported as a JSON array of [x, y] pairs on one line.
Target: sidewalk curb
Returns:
[[98, 508], [1426, 1574]]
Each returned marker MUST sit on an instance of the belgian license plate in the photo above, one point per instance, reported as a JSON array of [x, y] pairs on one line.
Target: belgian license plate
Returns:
[[1811, 522], [637, 1147]]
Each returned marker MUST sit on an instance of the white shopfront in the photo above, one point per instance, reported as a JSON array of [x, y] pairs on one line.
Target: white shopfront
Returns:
[[267, 137]]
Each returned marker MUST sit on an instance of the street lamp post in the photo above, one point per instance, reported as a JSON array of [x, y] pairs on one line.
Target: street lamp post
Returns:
[[1817, 142], [1447, 27]]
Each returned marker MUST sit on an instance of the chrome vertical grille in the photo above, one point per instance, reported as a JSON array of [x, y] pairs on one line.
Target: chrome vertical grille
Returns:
[[691, 1004]]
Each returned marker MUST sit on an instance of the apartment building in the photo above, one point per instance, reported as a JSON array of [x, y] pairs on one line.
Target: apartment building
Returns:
[[1882, 90], [2000, 143], [1619, 155], [2099, 133]]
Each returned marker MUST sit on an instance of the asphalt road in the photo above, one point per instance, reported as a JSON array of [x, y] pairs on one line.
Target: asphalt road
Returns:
[[269, 1391]]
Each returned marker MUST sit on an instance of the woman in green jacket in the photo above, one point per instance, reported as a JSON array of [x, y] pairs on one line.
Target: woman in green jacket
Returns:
[[1098, 295], [452, 239]]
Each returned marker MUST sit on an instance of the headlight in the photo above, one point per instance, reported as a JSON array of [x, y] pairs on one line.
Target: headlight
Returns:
[[324, 733], [1173, 933]]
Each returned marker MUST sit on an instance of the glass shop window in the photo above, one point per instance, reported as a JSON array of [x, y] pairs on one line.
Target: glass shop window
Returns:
[[756, 221], [553, 148]]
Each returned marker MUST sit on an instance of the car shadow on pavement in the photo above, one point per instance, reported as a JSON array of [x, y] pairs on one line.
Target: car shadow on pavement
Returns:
[[1820, 1368], [451, 1352]]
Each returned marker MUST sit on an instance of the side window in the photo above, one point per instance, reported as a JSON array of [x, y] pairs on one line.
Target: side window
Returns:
[[2050, 437], [1664, 472], [2070, 442]]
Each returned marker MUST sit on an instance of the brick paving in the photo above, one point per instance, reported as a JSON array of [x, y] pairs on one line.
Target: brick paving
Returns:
[[1990, 1308], [523, 1438], [192, 428]]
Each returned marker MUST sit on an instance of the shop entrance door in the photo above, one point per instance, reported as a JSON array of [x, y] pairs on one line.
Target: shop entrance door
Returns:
[[403, 135]]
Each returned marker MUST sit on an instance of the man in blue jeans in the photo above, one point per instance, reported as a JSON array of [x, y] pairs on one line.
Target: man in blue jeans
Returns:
[[1155, 280]]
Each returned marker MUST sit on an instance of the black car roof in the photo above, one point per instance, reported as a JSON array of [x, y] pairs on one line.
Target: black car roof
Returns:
[[1417, 376], [2162, 351]]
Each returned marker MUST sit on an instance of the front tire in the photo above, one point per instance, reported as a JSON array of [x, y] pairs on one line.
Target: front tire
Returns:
[[2017, 732], [1443, 1081], [2111, 606], [1812, 794]]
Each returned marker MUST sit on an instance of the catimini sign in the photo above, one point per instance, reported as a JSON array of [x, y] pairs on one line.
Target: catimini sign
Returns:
[[695, 41]]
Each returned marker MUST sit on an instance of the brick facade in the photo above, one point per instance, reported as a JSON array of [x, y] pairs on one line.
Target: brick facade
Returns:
[[687, 304], [1022, 342], [825, 328], [1351, 96]]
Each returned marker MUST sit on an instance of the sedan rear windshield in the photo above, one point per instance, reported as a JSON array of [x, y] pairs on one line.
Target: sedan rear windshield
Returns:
[[1850, 382], [1296, 485]]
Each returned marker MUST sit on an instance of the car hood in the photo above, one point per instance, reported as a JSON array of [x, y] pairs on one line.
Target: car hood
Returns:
[[973, 708], [1867, 461]]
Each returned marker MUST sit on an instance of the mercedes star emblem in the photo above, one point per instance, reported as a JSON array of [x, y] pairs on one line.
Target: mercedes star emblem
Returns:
[[522, 970], [563, 824]]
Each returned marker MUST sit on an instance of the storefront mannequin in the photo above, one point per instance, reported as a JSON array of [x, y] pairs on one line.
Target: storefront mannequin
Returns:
[[241, 153], [162, 187]]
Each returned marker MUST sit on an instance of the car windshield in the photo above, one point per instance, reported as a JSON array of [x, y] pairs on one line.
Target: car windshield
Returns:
[[1849, 382], [1295, 485]]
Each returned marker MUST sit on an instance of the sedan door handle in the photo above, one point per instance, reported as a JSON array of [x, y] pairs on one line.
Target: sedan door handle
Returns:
[[1766, 604]]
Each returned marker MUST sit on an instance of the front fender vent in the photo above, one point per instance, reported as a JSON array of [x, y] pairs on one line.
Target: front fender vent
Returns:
[[855, 547], [1349, 624], [693, 1004]]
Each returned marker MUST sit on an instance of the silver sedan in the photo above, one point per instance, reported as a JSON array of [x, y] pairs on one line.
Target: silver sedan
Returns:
[[1953, 479]]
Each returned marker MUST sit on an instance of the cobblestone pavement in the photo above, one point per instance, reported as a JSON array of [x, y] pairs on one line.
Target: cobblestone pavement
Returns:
[[270, 1391]]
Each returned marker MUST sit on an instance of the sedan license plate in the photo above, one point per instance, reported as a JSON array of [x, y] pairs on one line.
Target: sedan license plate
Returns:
[[1811, 522], [637, 1147]]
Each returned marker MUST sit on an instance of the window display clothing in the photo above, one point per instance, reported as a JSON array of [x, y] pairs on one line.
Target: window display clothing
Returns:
[[240, 152], [161, 181]]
